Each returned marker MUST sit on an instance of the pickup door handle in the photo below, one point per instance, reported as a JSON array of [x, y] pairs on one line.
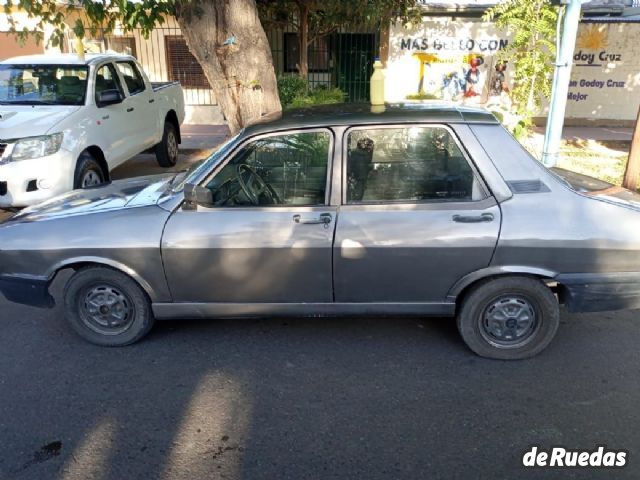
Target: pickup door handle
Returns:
[[130, 109], [152, 100], [324, 219], [485, 217]]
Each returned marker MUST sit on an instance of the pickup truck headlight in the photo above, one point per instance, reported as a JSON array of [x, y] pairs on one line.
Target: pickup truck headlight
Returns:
[[35, 147]]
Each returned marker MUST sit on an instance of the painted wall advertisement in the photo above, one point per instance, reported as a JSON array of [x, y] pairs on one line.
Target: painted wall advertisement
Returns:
[[457, 60]]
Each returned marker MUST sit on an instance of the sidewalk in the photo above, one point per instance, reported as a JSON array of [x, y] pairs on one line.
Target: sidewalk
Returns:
[[617, 134], [198, 141], [202, 137]]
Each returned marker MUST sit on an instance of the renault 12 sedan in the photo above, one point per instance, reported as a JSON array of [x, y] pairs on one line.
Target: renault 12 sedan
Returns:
[[427, 211]]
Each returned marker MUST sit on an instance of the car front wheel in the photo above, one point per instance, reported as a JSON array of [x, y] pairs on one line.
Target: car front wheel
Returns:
[[509, 318], [88, 172], [106, 307]]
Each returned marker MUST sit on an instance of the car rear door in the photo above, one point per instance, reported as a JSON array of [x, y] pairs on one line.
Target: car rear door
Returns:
[[141, 118], [415, 215], [276, 252]]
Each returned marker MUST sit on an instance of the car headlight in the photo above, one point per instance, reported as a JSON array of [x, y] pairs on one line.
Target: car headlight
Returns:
[[34, 147]]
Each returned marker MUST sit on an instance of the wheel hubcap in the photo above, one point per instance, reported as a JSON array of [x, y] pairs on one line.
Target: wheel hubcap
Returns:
[[172, 145], [91, 179], [509, 321], [106, 310]]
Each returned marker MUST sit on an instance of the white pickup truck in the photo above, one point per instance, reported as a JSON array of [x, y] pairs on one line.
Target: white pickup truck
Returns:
[[66, 122]]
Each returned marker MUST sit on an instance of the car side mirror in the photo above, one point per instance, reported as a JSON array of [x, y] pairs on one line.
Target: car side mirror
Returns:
[[197, 195], [109, 97]]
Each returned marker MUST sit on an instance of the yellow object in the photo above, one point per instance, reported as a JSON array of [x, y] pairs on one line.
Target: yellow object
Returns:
[[377, 84], [79, 47]]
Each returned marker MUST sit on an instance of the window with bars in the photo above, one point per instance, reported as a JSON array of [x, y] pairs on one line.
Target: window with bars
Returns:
[[182, 65]]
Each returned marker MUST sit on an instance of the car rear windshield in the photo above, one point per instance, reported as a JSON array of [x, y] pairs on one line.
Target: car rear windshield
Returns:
[[43, 84]]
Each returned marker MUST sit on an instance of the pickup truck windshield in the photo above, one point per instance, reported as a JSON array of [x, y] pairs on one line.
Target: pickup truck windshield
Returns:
[[43, 84]]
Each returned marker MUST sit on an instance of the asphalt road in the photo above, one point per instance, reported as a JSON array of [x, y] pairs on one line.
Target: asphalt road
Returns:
[[309, 399]]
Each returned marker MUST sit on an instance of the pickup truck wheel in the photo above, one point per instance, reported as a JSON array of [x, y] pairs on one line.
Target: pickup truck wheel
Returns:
[[106, 307], [88, 172], [509, 318], [167, 149]]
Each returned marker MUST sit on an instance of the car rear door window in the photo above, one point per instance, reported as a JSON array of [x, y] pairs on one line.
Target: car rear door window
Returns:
[[406, 165], [293, 168], [132, 77]]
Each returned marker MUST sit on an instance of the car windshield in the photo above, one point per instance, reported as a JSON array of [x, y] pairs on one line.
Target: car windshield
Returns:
[[197, 169], [43, 84]]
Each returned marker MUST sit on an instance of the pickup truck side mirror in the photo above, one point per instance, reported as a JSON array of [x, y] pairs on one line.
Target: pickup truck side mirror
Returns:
[[197, 195], [109, 97]]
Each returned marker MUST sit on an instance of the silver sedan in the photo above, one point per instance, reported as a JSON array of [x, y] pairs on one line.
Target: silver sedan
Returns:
[[412, 211]]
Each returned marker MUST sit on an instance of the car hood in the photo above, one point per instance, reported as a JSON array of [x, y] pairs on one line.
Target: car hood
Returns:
[[121, 194], [593, 187], [17, 120]]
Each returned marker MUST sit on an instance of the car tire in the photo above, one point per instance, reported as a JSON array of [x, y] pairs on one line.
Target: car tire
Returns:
[[167, 149], [107, 307], [509, 318], [88, 172]]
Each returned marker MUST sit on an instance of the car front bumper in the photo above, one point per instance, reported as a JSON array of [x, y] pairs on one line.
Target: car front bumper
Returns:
[[29, 182]]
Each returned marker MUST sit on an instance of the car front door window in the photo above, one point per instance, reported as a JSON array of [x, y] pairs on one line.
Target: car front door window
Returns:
[[275, 171]]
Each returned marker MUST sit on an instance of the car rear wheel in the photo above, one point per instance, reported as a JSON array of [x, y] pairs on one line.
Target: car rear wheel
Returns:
[[106, 307], [509, 318], [167, 150], [88, 172]]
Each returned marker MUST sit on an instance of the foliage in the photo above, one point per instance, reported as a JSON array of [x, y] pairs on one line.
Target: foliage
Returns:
[[531, 52], [294, 92], [318, 96], [291, 87], [91, 15]]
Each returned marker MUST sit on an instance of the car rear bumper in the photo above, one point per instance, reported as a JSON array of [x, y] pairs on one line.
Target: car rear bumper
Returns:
[[600, 292], [32, 291]]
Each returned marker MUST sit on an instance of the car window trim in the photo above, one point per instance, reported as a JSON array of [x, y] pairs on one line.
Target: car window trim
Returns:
[[327, 194], [135, 69], [391, 126]]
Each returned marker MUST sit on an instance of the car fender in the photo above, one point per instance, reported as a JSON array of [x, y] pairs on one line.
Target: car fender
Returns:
[[478, 275], [106, 262]]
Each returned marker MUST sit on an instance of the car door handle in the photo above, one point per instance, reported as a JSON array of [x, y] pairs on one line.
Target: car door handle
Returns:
[[485, 217], [324, 219], [130, 109], [152, 100]]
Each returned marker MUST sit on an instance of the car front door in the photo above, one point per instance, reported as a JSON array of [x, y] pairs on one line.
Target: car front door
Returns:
[[415, 216], [267, 235], [111, 119]]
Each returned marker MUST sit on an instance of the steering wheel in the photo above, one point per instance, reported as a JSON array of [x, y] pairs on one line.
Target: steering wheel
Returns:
[[253, 185]]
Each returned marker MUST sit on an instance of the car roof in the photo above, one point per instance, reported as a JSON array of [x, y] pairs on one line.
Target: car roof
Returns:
[[64, 59], [352, 114]]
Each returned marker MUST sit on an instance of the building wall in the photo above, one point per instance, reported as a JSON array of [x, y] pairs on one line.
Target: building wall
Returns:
[[605, 86]]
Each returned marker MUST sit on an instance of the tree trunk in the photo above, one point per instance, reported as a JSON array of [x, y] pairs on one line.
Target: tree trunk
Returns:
[[227, 39], [303, 38], [632, 174]]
